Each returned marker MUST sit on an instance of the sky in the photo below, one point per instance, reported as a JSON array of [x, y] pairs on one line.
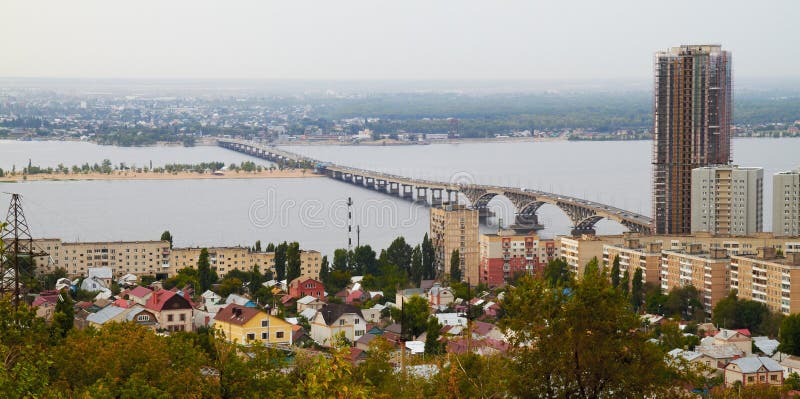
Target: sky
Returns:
[[401, 39]]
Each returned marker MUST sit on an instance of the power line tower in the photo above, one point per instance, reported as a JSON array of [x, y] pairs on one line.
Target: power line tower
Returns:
[[19, 252]]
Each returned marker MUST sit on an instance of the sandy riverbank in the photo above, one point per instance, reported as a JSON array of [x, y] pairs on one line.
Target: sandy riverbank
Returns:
[[128, 175]]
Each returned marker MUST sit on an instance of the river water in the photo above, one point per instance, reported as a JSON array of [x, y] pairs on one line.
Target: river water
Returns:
[[313, 211]]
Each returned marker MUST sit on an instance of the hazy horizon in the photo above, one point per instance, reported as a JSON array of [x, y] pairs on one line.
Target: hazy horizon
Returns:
[[359, 40]]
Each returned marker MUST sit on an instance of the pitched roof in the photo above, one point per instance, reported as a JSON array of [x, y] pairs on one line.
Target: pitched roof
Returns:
[[766, 345], [426, 284], [105, 314], [99, 272], [752, 364], [303, 279], [237, 314], [162, 297], [306, 300], [45, 299], [140, 292], [726, 351], [481, 328], [333, 311]]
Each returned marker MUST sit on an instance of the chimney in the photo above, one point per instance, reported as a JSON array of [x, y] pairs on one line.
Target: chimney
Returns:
[[766, 253]]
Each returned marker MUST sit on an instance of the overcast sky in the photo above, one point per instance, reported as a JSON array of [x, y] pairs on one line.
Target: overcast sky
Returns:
[[373, 39]]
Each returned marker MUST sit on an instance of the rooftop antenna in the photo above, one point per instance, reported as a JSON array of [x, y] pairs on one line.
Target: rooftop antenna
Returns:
[[349, 224], [16, 234]]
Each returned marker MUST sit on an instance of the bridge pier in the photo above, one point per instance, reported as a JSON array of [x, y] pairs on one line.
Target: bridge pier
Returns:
[[380, 185], [370, 181], [436, 197], [422, 194], [407, 192], [394, 188], [359, 180]]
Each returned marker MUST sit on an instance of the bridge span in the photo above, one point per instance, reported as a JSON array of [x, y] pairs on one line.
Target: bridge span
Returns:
[[583, 213]]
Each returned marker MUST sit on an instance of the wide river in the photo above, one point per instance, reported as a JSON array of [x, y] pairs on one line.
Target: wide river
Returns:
[[313, 211]]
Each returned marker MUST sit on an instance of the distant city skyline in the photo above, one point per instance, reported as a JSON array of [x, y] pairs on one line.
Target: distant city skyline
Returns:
[[355, 39]]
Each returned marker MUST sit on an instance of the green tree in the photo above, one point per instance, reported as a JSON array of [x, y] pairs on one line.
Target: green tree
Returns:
[[280, 261], [257, 246], [167, 236], [364, 261], [615, 272], [625, 283], [592, 267], [292, 261], [432, 334], [63, 316], [324, 270], [400, 254], [416, 266], [412, 315], [556, 273], [637, 295], [340, 260], [589, 343], [205, 275], [428, 259], [184, 277], [455, 266], [789, 335]]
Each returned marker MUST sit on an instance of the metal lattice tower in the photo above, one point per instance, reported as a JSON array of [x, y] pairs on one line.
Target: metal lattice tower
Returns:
[[17, 256]]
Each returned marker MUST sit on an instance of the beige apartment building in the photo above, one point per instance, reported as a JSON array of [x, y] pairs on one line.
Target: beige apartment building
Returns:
[[705, 270], [786, 203], [633, 254], [155, 258], [767, 278], [727, 199], [578, 251], [456, 227]]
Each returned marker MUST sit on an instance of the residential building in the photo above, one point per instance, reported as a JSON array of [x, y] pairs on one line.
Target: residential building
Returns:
[[632, 255], [122, 257], [455, 227], [727, 199], [706, 271], [507, 254], [334, 319], [305, 286], [733, 337], [769, 279], [786, 203], [753, 370], [440, 297], [578, 251], [691, 127], [173, 310], [245, 325]]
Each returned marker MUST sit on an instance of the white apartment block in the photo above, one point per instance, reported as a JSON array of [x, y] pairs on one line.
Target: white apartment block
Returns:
[[786, 203], [727, 199]]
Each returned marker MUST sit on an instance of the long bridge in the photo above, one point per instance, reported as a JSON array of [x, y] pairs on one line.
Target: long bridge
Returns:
[[583, 213]]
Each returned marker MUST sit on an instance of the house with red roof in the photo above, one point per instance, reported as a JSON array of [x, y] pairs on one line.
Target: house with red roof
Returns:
[[140, 295], [305, 286], [173, 311], [45, 304]]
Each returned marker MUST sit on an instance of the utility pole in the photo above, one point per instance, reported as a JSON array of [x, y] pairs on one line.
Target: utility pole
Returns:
[[16, 232]]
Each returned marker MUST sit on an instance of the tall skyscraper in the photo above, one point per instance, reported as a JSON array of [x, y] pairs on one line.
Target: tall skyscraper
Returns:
[[727, 200], [786, 203], [691, 127]]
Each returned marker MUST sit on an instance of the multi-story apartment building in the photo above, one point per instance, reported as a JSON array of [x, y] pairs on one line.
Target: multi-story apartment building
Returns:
[[786, 203], [455, 227], [705, 270], [155, 258], [727, 199], [767, 278], [508, 253], [691, 127], [578, 251], [632, 255]]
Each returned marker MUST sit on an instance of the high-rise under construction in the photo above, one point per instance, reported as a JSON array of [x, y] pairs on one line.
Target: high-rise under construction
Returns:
[[691, 127]]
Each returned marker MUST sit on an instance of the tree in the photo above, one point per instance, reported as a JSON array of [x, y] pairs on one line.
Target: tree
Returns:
[[400, 254], [413, 316], [257, 246], [625, 283], [455, 266], [280, 261], [292, 261], [184, 277], [732, 312], [428, 259], [324, 270], [270, 247], [588, 343], [364, 261], [556, 273], [592, 267], [64, 315], [432, 333], [615, 272], [637, 296], [416, 266], [205, 275], [340, 260], [167, 236], [789, 335]]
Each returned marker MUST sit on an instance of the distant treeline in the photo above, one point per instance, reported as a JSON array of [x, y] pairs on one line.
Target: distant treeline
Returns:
[[107, 167]]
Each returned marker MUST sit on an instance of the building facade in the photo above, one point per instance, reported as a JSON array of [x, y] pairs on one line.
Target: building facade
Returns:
[[691, 127], [768, 278], [727, 200], [455, 227], [508, 254], [707, 271], [634, 255], [786, 203], [243, 325]]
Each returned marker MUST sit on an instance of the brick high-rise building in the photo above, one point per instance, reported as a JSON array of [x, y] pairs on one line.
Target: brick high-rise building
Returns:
[[456, 227], [691, 127]]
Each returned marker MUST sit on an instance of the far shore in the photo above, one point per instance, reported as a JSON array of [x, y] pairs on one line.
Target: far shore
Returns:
[[130, 175]]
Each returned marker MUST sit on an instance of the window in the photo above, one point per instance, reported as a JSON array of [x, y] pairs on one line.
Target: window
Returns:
[[356, 321], [359, 333], [183, 317], [265, 323], [750, 379], [341, 322], [251, 336], [279, 334], [264, 335], [142, 317], [773, 377], [169, 317]]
